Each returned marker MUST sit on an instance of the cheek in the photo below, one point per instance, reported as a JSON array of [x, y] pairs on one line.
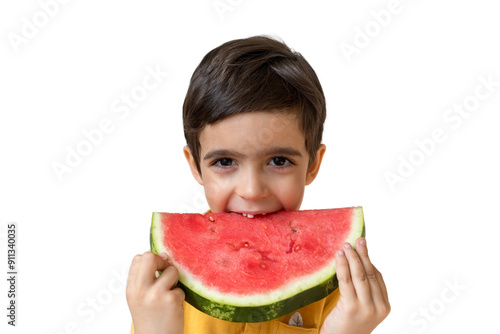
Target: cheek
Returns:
[[211, 187], [212, 191], [217, 194], [290, 192]]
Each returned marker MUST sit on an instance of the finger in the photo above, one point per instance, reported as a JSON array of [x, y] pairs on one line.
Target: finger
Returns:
[[383, 288], [169, 277], [180, 293], [370, 272], [358, 274], [179, 296], [344, 276], [150, 263], [134, 267]]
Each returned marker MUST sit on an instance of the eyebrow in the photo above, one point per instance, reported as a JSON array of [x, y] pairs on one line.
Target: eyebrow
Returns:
[[274, 150]]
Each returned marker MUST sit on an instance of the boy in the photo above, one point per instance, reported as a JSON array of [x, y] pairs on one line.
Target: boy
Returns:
[[253, 121]]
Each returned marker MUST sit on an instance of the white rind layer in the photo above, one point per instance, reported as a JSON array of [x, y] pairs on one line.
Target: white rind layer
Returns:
[[292, 288]]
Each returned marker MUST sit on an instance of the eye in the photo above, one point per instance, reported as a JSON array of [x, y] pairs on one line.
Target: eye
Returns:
[[281, 162], [223, 163]]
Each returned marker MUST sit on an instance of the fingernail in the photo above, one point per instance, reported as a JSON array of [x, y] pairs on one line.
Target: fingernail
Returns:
[[163, 255], [341, 252], [170, 263], [362, 242], [347, 245]]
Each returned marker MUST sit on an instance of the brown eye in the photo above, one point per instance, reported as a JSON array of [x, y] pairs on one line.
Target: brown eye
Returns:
[[224, 162], [280, 161]]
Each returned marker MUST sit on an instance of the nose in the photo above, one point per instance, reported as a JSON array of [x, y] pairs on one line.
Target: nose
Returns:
[[252, 185]]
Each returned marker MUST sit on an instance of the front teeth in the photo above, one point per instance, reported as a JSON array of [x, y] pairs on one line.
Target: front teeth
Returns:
[[249, 215]]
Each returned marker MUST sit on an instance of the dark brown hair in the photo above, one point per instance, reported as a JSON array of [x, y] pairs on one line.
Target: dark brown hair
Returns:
[[253, 74]]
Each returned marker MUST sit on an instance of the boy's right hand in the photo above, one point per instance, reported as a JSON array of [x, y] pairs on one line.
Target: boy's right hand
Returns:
[[155, 303]]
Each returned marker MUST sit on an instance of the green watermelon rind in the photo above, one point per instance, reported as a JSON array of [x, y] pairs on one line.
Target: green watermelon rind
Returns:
[[262, 312]]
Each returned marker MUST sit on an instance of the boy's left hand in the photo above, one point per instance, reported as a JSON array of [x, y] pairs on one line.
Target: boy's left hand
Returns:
[[363, 302]]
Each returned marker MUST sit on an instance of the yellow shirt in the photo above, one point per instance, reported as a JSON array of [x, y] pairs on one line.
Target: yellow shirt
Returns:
[[313, 316]]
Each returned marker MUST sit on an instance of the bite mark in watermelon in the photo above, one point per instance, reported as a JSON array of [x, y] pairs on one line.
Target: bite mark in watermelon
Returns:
[[254, 270]]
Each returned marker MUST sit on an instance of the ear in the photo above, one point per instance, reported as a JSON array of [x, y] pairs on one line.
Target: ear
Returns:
[[192, 164], [314, 168]]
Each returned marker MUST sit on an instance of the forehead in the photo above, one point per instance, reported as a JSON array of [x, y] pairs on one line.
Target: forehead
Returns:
[[253, 132]]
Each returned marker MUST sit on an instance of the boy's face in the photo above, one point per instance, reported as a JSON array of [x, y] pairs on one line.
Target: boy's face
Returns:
[[254, 163]]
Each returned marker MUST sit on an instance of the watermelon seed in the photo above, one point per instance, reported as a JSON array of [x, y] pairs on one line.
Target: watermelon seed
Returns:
[[211, 219], [297, 247], [246, 244], [263, 266]]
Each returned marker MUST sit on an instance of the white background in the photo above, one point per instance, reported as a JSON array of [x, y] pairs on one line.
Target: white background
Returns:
[[76, 235]]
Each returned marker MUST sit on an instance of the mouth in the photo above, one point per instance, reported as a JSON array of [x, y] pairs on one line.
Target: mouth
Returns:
[[251, 214]]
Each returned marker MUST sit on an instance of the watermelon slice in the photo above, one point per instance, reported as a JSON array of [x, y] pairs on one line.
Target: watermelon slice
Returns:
[[256, 269]]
